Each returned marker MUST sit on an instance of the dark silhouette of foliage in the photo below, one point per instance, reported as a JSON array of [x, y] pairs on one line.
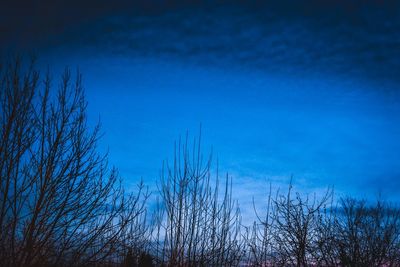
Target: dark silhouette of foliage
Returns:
[[141, 259]]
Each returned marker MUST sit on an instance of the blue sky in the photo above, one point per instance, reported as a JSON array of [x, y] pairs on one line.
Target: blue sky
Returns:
[[262, 127], [277, 94]]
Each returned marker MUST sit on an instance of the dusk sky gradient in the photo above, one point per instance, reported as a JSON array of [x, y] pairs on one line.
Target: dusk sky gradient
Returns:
[[307, 89]]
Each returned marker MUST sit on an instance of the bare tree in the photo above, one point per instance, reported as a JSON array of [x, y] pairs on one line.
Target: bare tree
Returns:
[[326, 249], [259, 237], [289, 233], [368, 235], [296, 228], [199, 227], [298, 231], [60, 204]]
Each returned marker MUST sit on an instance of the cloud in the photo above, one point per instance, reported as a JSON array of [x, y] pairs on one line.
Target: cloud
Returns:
[[361, 41]]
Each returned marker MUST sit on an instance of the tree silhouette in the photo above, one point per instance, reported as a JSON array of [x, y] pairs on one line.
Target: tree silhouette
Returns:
[[197, 226], [368, 235], [60, 204], [303, 231]]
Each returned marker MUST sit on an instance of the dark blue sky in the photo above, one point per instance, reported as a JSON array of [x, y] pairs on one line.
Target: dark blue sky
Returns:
[[309, 90]]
